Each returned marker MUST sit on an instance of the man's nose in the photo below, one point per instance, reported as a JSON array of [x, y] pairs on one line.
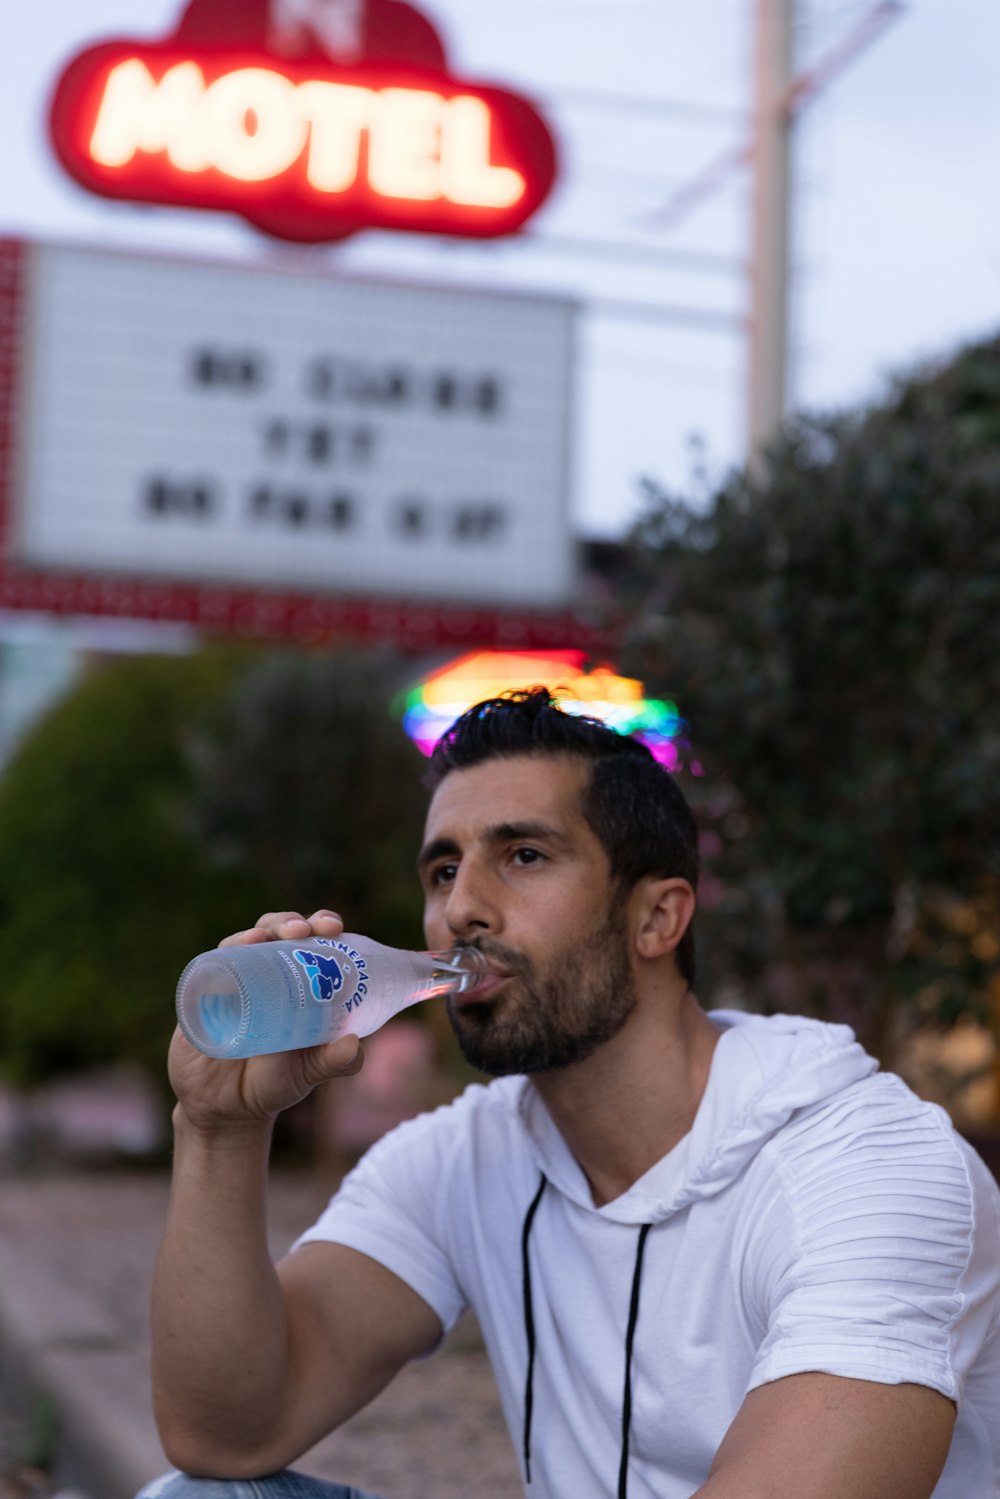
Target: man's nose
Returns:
[[472, 905]]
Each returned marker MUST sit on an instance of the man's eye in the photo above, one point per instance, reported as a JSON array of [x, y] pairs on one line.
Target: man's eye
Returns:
[[527, 856], [443, 874]]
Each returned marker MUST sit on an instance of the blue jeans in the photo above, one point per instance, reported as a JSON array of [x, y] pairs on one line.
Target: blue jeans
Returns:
[[285, 1485]]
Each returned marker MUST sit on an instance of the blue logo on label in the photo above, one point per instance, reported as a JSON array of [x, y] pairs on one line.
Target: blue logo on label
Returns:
[[325, 976]]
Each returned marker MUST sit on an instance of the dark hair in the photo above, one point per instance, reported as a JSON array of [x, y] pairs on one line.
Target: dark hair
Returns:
[[631, 802]]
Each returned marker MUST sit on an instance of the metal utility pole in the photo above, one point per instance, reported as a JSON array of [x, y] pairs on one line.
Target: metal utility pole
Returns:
[[779, 96], [771, 221]]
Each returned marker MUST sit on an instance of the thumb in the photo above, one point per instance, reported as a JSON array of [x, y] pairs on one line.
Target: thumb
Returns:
[[341, 1058]]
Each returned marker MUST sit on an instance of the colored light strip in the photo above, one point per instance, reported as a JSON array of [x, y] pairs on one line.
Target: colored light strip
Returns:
[[429, 709]]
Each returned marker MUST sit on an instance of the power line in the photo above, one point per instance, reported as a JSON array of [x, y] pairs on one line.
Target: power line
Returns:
[[691, 260], [602, 176], [541, 12], [707, 319], [655, 257], [803, 87], [647, 104]]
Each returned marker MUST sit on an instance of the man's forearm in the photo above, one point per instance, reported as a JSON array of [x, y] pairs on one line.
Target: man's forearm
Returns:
[[219, 1330]]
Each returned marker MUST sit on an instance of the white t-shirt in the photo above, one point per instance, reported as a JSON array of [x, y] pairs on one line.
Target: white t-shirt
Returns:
[[817, 1217]]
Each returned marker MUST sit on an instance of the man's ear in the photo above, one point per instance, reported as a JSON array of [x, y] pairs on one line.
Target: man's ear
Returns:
[[664, 910]]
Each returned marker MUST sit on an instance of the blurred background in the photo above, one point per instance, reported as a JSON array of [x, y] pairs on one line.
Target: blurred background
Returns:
[[709, 438]]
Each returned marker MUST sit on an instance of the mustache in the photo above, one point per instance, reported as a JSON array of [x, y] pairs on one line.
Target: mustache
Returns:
[[504, 957]]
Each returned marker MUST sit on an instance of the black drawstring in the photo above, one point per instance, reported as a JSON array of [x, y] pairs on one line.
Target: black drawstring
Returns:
[[633, 1317], [529, 1326]]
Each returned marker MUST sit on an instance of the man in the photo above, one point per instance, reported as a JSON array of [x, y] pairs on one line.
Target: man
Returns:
[[711, 1255]]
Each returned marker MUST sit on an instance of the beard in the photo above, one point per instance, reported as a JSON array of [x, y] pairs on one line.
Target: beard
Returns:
[[551, 1020]]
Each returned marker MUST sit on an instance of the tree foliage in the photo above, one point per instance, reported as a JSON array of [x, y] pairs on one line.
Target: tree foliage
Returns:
[[102, 894], [167, 801], [305, 779], [830, 626]]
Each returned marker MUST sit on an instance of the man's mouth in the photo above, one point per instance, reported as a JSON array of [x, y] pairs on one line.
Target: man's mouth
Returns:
[[485, 988]]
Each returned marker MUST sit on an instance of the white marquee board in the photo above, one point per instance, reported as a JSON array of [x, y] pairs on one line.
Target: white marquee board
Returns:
[[226, 425]]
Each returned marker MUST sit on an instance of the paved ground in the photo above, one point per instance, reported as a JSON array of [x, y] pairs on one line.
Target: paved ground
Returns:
[[23, 1475], [76, 1253]]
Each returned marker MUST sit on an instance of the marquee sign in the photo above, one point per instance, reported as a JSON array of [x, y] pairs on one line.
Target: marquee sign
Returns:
[[305, 145], [283, 453]]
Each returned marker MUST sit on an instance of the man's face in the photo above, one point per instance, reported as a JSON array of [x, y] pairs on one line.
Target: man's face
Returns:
[[510, 866]]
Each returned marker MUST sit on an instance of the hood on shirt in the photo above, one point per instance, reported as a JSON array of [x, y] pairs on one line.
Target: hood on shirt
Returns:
[[763, 1071]]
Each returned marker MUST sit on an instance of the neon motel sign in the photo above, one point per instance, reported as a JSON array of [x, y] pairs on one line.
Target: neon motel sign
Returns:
[[305, 149]]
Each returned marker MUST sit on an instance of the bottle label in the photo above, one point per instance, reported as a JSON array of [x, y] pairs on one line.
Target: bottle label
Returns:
[[339, 972]]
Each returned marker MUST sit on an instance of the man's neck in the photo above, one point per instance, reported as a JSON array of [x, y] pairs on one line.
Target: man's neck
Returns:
[[635, 1098]]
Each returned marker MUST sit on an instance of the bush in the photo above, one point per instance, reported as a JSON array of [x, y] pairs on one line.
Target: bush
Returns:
[[829, 625], [167, 801]]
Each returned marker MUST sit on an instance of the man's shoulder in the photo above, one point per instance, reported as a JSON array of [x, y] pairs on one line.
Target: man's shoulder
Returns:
[[471, 1151], [482, 1112], [876, 1150], [490, 1104], [874, 1237], [878, 1114]]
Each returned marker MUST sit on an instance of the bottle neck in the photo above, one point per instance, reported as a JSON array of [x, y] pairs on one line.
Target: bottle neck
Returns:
[[466, 964]]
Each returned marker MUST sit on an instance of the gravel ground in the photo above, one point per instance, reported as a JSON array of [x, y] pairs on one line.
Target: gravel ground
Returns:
[[437, 1429]]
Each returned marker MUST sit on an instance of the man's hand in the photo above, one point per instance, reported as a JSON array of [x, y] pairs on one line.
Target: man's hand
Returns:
[[218, 1095], [249, 1371]]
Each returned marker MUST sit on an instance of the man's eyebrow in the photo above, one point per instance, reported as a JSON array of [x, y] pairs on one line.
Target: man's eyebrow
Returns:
[[511, 832], [437, 849]]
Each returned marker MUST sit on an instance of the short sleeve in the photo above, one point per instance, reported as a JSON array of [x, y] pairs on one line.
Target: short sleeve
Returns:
[[864, 1259], [392, 1207]]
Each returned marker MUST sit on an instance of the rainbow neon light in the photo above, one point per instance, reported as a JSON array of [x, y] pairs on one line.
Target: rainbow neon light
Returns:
[[429, 709]]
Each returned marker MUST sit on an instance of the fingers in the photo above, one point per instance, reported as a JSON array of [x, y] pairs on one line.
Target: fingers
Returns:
[[326, 923], [341, 1058], [288, 926]]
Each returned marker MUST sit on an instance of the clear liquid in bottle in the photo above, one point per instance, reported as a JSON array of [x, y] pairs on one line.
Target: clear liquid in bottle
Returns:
[[280, 996]]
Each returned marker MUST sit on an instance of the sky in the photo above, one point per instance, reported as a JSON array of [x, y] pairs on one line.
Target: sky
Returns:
[[896, 212]]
